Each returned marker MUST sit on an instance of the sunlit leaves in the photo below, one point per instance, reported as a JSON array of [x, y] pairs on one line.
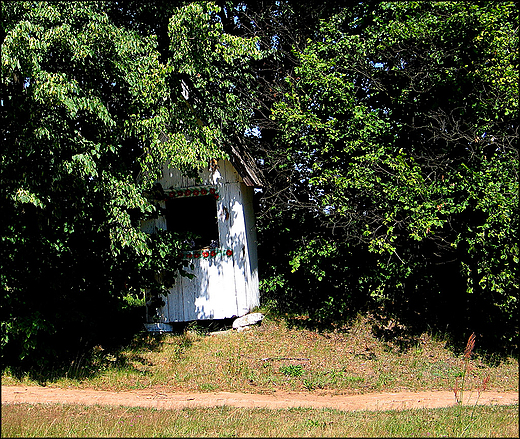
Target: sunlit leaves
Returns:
[[23, 196], [403, 135], [92, 114], [199, 40], [82, 99], [211, 70]]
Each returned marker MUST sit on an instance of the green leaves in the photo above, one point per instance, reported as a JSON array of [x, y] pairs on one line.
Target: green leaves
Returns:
[[92, 112], [199, 41], [83, 98], [209, 73], [24, 196], [400, 135]]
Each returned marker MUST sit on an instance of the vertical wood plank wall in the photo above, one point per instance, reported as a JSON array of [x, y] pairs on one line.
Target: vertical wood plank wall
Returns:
[[223, 286]]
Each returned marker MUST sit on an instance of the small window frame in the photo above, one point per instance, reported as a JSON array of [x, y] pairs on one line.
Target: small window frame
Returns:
[[195, 216]]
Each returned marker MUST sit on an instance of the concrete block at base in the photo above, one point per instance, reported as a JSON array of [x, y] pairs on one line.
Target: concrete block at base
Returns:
[[158, 327], [247, 320]]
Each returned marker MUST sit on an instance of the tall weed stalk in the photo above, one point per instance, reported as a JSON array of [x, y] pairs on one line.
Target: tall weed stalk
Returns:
[[459, 393], [468, 351]]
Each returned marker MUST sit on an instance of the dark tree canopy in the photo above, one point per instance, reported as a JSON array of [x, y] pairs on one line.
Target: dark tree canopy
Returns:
[[92, 107], [400, 137]]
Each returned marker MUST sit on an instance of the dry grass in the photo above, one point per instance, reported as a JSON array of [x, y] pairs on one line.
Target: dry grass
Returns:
[[23, 420], [269, 358], [261, 361]]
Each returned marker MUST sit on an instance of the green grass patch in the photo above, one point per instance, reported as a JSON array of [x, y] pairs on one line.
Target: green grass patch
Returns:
[[292, 370]]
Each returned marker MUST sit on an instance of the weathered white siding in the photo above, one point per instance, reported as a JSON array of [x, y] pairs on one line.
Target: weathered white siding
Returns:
[[224, 285]]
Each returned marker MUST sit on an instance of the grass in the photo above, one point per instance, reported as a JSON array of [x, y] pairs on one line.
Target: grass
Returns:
[[273, 357], [23, 420], [268, 358]]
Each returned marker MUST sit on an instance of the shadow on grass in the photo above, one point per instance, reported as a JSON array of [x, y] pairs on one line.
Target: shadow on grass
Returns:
[[121, 347], [77, 353], [202, 327], [396, 335]]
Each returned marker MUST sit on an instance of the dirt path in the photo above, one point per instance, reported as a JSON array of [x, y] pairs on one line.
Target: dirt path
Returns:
[[164, 400]]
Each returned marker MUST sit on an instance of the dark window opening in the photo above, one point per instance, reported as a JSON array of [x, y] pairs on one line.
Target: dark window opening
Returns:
[[195, 215]]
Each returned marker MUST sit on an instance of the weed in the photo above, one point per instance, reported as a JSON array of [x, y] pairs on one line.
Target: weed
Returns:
[[317, 423], [292, 370], [459, 391], [196, 328], [470, 345], [207, 387], [309, 384], [353, 379], [384, 380]]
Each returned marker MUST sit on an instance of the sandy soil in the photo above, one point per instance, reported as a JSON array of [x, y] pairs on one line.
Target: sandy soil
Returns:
[[160, 399]]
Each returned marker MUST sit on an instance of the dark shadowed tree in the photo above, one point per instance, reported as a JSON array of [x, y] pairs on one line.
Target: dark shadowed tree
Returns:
[[92, 106]]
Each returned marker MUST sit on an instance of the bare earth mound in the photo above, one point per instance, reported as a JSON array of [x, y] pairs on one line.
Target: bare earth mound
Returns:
[[279, 400]]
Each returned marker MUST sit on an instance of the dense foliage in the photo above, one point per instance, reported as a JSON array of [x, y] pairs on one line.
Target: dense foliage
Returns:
[[387, 133], [399, 137], [90, 112]]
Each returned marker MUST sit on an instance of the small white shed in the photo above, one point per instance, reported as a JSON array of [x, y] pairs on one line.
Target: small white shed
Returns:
[[224, 258]]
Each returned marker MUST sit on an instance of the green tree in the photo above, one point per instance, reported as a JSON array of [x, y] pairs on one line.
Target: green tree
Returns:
[[398, 132], [90, 113], [287, 215]]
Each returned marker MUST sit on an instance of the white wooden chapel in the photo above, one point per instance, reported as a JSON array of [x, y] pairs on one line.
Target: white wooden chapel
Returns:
[[224, 255]]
